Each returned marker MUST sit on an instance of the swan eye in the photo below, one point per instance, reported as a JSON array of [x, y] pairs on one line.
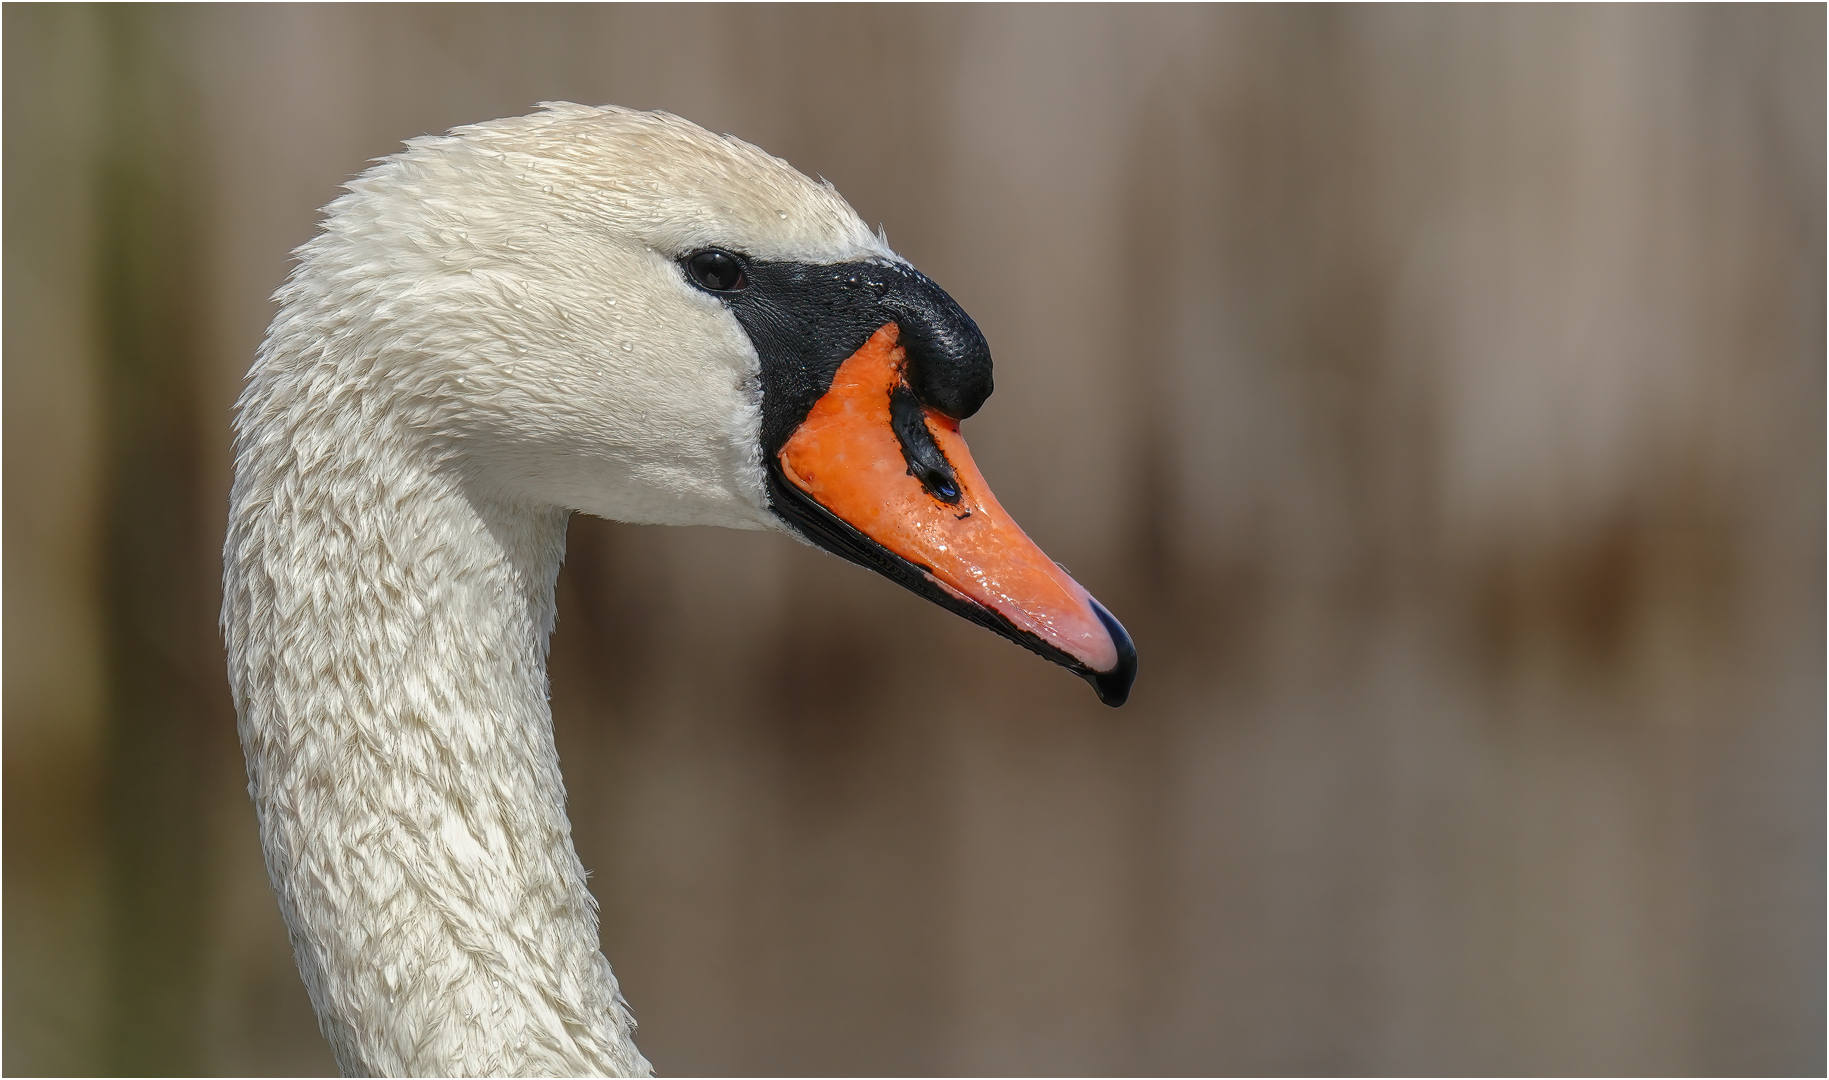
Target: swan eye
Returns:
[[718, 271]]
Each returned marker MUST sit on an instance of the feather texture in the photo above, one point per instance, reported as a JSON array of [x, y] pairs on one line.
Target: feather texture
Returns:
[[489, 333]]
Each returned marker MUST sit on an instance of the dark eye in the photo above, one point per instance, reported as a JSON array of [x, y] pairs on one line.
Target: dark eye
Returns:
[[719, 271]]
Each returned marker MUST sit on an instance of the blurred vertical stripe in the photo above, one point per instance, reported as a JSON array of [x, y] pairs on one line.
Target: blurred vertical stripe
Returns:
[[169, 719]]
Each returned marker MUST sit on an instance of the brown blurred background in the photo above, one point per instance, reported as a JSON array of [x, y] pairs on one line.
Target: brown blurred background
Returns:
[[1437, 393]]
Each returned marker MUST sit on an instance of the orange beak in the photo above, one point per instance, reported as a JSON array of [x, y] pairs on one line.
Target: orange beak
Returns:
[[899, 474]]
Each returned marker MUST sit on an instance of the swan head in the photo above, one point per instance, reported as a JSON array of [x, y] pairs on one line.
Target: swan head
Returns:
[[620, 313]]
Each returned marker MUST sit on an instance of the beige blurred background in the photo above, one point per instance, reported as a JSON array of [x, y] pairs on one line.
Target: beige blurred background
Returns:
[[1437, 393]]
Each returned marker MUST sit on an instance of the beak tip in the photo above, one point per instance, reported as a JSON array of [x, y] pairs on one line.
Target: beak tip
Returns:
[[1113, 687]]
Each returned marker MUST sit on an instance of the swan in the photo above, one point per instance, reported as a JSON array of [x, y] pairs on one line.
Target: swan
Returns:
[[591, 310]]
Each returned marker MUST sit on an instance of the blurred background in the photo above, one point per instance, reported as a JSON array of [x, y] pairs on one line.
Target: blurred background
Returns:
[[1436, 393]]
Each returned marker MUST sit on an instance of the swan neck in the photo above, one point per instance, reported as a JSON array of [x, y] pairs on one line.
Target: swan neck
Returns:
[[387, 631]]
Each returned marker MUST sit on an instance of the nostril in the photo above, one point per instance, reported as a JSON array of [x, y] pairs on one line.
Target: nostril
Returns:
[[941, 486], [926, 462]]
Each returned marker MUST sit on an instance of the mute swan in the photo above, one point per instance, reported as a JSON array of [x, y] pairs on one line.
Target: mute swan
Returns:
[[585, 309]]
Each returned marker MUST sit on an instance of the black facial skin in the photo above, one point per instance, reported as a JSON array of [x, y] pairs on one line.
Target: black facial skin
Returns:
[[805, 320]]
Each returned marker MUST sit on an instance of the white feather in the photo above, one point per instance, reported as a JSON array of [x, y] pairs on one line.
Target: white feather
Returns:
[[490, 332]]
